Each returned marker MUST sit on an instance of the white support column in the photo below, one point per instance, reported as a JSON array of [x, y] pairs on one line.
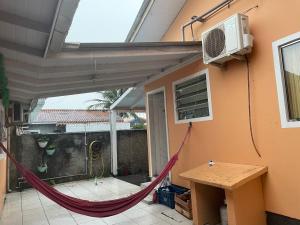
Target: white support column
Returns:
[[113, 141]]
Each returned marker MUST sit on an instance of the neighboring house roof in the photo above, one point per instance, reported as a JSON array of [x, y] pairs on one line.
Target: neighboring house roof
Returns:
[[72, 116]]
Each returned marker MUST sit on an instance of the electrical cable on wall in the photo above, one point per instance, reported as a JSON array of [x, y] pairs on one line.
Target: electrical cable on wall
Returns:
[[250, 9], [249, 108]]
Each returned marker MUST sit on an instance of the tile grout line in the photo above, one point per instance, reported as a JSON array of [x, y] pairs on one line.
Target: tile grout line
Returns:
[[76, 191], [48, 221], [78, 197], [68, 210], [21, 197]]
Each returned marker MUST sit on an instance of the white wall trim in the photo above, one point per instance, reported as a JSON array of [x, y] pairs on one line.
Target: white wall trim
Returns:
[[207, 118], [280, 82], [161, 89]]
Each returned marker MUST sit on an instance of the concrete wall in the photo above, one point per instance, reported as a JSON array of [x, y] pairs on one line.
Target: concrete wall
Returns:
[[44, 128], [77, 128], [68, 166], [226, 138], [68, 162], [94, 127], [132, 151]]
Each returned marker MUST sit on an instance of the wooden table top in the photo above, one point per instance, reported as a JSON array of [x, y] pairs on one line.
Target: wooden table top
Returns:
[[224, 175]]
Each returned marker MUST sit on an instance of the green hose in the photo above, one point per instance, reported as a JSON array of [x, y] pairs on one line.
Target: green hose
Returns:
[[94, 156]]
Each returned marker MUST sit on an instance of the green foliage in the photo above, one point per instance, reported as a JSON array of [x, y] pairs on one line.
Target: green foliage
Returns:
[[139, 127], [42, 138], [3, 84], [51, 146], [109, 97]]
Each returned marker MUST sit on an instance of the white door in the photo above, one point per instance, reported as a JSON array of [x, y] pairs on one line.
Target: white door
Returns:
[[158, 132]]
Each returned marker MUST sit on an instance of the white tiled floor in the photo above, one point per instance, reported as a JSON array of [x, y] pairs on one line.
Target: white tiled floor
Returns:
[[31, 208]]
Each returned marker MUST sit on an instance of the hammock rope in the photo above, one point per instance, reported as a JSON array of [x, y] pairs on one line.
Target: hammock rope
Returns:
[[89, 208]]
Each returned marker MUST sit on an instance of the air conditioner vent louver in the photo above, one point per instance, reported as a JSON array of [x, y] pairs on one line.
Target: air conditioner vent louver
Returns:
[[227, 40], [215, 42]]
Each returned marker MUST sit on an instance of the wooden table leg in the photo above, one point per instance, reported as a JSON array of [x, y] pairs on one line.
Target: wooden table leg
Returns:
[[206, 202], [194, 203], [245, 204]]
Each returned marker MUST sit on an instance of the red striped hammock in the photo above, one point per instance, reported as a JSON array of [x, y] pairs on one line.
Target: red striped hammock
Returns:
[[89, 208]]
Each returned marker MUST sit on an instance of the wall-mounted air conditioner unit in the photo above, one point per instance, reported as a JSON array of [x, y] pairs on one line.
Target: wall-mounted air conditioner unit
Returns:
[[227, 40]]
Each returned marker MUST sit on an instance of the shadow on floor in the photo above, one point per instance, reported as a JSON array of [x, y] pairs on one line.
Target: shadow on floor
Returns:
[[136, 179]]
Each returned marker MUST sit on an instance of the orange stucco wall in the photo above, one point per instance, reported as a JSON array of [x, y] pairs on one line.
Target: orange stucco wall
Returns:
[[227, 137], [2, 182], [2, 170]]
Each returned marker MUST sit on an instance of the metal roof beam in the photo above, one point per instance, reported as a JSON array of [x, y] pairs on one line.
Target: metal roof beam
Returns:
[[25, 95], [52, 28], [36, 89], [80, 70], [88, 79], [24, 22]]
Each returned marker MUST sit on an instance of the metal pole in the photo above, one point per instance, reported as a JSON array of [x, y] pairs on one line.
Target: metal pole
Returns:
[[113, 142], [204, 16]]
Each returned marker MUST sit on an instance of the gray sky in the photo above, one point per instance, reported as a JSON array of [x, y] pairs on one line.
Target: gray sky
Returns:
[[103, 20], [96, 21], [81, 101]]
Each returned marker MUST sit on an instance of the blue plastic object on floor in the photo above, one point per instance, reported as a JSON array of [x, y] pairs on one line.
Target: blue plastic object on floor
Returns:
[[166, 195]]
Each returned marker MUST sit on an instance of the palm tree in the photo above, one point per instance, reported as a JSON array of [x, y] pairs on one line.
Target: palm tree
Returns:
[[108, 98]]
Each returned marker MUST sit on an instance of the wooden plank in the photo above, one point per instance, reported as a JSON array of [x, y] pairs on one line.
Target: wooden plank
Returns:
[[183, 211], [224, 175], [245, 205], [206, 202]]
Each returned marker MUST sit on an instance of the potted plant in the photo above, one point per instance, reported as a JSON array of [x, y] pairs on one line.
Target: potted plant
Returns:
[[42, 141], [50, 149], [42, 168]]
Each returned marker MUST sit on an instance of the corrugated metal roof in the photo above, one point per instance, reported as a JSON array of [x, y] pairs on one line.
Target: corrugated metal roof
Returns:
[[72, 116], [34, 26], [93, 67], [30, 29], [132, 99]]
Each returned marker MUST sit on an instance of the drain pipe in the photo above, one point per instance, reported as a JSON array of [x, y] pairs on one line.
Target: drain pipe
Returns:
[[203, 18]]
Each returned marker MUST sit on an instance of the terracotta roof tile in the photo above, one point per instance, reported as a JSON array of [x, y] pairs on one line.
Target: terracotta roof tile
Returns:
[[72, 116]]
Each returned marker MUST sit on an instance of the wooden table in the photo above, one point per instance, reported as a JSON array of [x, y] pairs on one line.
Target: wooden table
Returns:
[[239, 184]]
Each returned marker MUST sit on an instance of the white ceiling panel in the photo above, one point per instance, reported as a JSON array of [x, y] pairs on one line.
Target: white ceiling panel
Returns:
[[75, 71], [7, 31]]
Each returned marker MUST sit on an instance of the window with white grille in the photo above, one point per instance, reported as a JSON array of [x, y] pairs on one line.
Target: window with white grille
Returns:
[[286, 53], [192, 100]]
